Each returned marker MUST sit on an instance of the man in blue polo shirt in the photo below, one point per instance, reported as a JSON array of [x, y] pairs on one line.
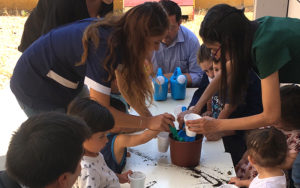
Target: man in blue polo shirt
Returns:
[[178, 49]]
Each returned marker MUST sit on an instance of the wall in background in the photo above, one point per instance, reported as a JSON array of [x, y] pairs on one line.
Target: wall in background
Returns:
[[119, 4]]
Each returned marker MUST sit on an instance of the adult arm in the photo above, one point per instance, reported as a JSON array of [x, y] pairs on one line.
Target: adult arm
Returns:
[[225, 113], [122, 119], [270, 115], [211, 89]]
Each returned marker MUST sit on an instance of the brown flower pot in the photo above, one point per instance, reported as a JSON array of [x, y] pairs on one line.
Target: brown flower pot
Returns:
[[185, 154]]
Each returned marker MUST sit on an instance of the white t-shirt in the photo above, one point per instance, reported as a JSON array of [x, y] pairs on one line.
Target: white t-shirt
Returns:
[[272, 182], [96, 173]]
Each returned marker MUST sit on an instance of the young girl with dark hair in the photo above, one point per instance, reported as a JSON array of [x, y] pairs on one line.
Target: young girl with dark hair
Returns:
[[113, 147], [266, 152], [269, 45], [95, 52], [289, 126]]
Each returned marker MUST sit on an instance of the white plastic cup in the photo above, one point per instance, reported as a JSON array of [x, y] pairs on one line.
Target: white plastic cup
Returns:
[[137, 179], [187, 117], [163, 142]]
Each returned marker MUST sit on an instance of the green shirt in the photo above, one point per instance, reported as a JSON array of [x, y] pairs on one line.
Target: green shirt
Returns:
[[276, 47]]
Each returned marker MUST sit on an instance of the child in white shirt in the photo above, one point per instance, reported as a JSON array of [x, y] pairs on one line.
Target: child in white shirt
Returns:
[[267, 150], [94, 170]]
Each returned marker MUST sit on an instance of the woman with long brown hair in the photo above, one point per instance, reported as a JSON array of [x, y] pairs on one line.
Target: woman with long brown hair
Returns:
[[96, 52]]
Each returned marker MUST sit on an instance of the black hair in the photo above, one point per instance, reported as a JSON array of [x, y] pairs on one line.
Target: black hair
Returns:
[[44, 147], [204, 54], [290, 106], [97, 117], [229, 26], [172, 8], [267, 147]]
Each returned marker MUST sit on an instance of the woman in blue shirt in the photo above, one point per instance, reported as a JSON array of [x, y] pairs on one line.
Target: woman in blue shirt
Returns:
[[53, 70]]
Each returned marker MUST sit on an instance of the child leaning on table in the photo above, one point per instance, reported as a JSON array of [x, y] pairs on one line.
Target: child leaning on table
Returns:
[[114, 149], [94, 170], [266, 152]]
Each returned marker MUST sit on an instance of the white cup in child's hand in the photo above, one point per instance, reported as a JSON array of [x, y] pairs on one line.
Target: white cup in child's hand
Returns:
[[187, 117], [137, 179], [163, 141]]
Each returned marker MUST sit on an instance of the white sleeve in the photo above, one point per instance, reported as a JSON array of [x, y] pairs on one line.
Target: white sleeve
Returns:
[[89, 178]]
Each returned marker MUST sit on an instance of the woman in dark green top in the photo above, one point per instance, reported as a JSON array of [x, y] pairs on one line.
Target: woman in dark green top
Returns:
[[269, 45]]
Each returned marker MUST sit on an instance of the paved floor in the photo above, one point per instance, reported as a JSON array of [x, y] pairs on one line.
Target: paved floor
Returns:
[[11, 118]]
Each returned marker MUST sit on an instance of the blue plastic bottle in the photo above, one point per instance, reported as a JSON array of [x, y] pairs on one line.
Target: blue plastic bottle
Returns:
[[160, 83], [178, 84]]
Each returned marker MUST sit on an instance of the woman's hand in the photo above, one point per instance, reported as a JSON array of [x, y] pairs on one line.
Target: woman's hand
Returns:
[[160, 122], [203, 125]]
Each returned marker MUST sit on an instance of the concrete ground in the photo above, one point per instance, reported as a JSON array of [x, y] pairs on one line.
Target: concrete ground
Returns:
[[12, 117]]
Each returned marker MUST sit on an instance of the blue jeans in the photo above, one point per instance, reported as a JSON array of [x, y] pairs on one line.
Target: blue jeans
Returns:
[[32, 111], [296, 172]]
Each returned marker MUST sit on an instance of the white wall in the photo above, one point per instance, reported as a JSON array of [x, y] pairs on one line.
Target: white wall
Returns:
[[294, 9], [276, 8]]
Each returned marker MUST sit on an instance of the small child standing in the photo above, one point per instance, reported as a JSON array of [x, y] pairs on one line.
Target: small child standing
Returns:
[[266, 150], [94, 172], [289, 125]]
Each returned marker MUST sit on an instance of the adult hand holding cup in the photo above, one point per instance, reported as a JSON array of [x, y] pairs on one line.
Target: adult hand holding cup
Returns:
[[187, 117]]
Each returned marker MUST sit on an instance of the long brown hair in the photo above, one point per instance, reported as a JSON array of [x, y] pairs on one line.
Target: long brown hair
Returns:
[[130, 37], [229, 26]]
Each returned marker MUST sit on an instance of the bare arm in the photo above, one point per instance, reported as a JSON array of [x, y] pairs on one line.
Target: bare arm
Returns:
[[240, 183], [122, 119], [127, 140], [227, 111], [123, 141], [211, 89], [270, 115]]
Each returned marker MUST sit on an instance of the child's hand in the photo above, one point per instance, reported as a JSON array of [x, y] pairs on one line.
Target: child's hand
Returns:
[[240, 183], [123, 178], [236, 181]]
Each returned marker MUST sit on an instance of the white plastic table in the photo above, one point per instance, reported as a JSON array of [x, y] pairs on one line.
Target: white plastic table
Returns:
[[215, 166]]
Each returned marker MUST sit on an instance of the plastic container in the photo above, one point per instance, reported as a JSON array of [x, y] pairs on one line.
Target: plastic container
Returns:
[[185, 154], [178, 85], [160, 83], [163, 142], [137, 179], [190, 116]]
